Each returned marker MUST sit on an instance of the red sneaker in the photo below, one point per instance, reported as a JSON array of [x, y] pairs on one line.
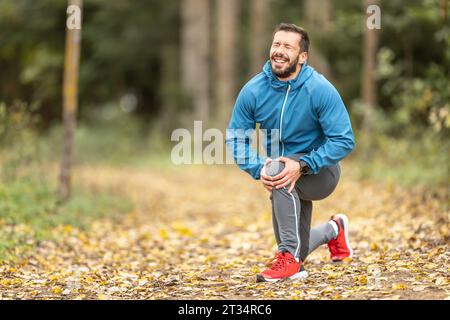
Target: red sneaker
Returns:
[[282, 266], [340, 247]]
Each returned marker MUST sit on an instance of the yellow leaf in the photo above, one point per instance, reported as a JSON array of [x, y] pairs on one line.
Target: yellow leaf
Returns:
[[396, 256], [255, 270], [163, 234], [430, 266], [182, 229], [347, 260], [204, 240], [398, 286], [334, 275], [5, 282], [56, 290], [362, 279], [89, 280]]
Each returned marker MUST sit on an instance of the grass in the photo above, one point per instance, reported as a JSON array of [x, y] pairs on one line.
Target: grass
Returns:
[[30, 212], [405, 162]]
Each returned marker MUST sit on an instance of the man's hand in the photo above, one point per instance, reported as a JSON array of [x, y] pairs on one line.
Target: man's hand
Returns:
[[265, 179], [289, 175]]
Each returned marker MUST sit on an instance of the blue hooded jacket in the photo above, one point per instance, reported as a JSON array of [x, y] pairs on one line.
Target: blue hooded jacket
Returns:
[[308, 112]]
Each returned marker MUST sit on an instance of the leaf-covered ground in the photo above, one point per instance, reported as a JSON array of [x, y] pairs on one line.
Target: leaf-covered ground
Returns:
[[204, 232]]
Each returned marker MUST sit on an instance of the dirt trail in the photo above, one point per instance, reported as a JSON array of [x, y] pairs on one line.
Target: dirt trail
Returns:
[[204, 232]]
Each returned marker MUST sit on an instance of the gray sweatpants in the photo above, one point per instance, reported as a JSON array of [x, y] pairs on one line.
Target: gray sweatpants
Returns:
[[291, 212]]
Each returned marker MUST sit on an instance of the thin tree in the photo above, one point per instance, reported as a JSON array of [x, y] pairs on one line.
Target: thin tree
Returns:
[[259, 34], [225, 58], [70, 94], [195, 54], [444, 9], [318, 19], [368, 73]]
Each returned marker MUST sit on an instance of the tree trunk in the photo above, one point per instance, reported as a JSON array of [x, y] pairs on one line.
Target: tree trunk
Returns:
[[168, 91], [444, 9], [318, 18], [70, 103], [259, 35], [195, 54], [225, 58], [368, 76], [318, 13]]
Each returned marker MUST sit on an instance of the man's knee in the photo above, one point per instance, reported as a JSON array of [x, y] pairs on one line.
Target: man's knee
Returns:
[[274, 167]]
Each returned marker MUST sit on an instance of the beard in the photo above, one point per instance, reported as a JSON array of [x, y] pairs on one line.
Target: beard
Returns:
[[286, 71]]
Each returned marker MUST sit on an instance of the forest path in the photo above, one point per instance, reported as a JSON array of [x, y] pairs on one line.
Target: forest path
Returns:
[[204, 232]]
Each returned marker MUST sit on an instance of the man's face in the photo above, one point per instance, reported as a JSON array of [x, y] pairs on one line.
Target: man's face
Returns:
[[285, 53]]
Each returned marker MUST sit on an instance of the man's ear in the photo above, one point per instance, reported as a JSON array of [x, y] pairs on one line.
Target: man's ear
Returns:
[[302, 57]]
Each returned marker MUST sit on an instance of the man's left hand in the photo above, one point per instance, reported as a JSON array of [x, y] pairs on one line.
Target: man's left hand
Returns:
[[289, 175]]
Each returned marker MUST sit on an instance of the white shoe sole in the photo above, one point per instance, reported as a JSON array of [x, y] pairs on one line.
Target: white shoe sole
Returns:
[[346, 227], [298, 276]]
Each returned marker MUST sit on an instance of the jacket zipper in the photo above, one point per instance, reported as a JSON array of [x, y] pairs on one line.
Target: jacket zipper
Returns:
[[281, 119]]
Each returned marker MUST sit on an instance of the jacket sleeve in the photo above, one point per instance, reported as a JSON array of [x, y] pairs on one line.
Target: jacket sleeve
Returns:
[[239, 134], [335, 122]]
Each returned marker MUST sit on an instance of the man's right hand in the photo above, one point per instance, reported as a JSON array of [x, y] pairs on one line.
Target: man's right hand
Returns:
[[265, 179]]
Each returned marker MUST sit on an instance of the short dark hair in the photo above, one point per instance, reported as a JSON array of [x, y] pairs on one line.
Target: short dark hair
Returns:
[[290, 27]]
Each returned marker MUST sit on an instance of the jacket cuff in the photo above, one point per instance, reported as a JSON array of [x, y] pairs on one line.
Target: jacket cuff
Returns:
[[305, 167]]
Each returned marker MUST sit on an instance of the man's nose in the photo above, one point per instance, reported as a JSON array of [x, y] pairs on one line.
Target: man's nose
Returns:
[[280, 49]]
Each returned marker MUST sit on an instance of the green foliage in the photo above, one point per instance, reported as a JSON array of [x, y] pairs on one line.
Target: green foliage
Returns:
[[121, 48], [30, 211], [29, 208], [111, 136], [408, 162], [19, 145], [408, 142], [414, 68], [418, 103], [125, 43]]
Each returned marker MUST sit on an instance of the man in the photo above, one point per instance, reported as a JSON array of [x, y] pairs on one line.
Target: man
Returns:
[[313, 133]]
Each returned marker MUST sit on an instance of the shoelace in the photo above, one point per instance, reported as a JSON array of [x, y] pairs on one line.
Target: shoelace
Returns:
[[271, 262], [279, 261]]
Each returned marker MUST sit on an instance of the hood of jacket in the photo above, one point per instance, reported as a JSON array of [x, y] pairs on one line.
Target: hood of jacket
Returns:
[[304, 74]]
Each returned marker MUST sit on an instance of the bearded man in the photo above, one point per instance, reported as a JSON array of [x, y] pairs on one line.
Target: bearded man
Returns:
[[314, 133]]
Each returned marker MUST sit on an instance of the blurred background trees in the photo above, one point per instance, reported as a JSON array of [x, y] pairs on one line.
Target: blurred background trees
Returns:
[[148, 67]]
